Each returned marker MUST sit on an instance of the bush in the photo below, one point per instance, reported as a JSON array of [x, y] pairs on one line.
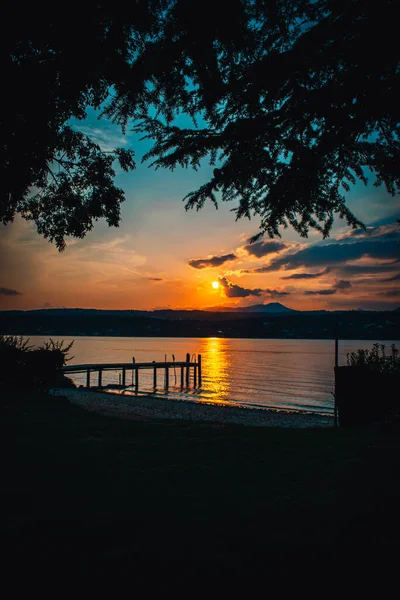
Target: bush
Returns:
[[376, 359], [366, 390], [25, 366]]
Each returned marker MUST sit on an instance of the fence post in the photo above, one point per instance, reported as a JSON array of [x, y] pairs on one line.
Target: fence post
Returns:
[[199, 367], [166, 378], [187, 369], [136, 380]]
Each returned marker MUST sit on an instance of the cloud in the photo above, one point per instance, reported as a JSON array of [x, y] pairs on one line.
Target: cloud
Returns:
[[9, 292], [368, 269], [263, 269], [342, 285], [332, 254], [320, 292], [307, 275], [390, 293], [260, 249], [338, 286], [235, 291], [388, 230], [394, 278], [213, 261], [155, 279], [276, 293], [107, 139], [107, 245]]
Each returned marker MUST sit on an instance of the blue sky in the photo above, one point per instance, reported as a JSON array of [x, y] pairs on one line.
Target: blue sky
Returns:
[[164, 257]]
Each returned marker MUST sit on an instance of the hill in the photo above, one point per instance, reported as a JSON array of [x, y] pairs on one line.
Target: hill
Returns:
[[273, 322], [271, 308]]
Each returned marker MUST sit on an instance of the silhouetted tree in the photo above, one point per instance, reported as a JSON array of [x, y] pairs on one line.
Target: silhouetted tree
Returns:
[[296, 100]]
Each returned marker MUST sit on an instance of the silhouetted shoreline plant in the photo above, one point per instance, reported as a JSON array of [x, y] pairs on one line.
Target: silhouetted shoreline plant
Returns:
[[366, 389], [376, 359], [26, 366]]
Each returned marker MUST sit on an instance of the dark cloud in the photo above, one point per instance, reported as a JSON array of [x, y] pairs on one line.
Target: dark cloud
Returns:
[[9, 292], [390, 293], [235, 291], [320, 292], [260, 249], [155, 279], [339, 286], [394, 278], [214, 261], [368, 269], [342, 285], [334, 254], [307, 275], [276, 293], [385, 230], [263, 269], [359, 232]]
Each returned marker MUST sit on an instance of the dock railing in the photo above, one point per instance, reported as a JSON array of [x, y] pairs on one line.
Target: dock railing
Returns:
[[135, 367]]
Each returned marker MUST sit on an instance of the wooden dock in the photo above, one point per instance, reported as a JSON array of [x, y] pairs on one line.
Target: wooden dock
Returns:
[[185, 370]]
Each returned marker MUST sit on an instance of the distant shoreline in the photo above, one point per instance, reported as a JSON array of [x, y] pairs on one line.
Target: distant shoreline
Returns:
[[318, 325], [370, 338], [149, 407]]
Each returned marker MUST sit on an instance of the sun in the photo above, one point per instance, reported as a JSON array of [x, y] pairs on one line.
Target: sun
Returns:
[[215, 285]]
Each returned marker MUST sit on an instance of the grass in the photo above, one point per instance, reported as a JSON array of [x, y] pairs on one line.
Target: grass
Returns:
[[103, 487]]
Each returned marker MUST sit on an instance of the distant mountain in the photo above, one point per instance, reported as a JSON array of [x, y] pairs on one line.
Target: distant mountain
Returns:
[[272, 307]]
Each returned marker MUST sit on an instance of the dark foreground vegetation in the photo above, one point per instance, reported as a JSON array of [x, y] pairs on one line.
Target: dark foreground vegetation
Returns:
[[93, 487], [23, 365]]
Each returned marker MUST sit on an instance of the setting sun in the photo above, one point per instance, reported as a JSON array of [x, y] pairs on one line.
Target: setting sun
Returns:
[[215, 285]]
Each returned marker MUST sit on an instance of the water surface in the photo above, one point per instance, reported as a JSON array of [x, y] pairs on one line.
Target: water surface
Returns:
[[262, 373]]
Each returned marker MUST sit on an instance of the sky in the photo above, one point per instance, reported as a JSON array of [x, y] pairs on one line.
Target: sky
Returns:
[[162, 256]]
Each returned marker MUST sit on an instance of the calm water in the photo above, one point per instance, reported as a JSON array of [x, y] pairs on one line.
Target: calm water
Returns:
[[282, 374]]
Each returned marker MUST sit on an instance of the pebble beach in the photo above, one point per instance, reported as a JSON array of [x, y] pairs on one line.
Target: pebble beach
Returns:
[[150, 407]]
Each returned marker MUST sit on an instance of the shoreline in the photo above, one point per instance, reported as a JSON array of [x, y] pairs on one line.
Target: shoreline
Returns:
[[150, 407]]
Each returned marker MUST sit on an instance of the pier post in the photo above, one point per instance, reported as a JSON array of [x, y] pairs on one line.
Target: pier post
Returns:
[[100, 374], [154, 375], [195, 375], [136, 380], [166, 377], [123, 376], [199, 367], [187, 369], [182, 373], [88, 378]]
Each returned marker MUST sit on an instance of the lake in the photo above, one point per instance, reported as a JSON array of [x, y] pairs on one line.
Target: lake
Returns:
[[262, 373]]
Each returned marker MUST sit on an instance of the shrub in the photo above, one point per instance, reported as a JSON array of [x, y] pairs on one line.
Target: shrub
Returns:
[[376, 359], [366, 390], [22, 365]]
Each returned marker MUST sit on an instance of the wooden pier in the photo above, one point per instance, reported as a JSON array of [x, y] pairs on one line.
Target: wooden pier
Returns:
[[134, 367]]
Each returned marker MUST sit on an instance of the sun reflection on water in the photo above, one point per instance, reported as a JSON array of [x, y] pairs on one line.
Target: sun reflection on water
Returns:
[[216, 368]]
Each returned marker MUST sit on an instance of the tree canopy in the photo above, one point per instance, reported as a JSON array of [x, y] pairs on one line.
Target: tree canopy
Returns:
[[292, 101]]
